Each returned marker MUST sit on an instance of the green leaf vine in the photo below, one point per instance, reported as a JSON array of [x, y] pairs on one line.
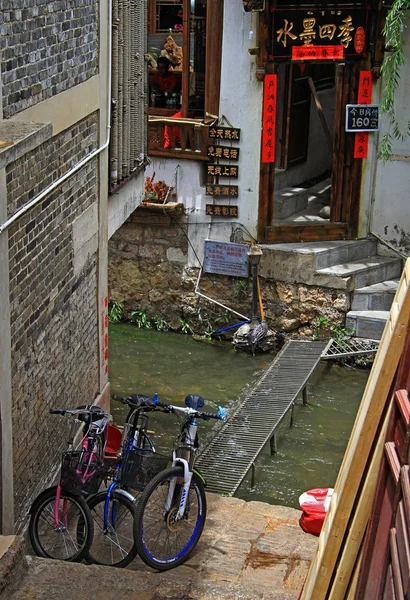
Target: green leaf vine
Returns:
[[393, 31]]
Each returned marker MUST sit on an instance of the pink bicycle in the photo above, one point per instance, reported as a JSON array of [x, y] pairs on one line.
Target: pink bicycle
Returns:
[[61, 524]]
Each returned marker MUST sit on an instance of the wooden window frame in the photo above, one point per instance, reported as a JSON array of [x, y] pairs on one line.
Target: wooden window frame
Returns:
[[213, 52]]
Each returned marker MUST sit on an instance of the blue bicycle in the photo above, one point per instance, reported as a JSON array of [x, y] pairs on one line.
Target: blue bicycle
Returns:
[[113, 509]]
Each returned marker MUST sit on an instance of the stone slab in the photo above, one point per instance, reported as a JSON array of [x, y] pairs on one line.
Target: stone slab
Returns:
[[22, 138], [248, 551], [368, 324]]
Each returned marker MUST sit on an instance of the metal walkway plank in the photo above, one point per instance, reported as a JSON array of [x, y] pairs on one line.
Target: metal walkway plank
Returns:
[[231, 453]]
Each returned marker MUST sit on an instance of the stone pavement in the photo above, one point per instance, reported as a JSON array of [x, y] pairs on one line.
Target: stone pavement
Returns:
[[248, 551]]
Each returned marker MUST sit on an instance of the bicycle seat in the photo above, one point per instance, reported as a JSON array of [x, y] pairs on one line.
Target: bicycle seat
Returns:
[[194, 401]]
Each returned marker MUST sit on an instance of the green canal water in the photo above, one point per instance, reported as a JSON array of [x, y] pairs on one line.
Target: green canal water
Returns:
[[174, 365]]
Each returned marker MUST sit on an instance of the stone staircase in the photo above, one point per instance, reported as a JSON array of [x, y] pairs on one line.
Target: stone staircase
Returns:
[[351, 266]]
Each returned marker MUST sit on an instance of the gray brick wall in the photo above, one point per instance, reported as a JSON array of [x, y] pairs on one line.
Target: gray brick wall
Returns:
[[45, 48], [53, 312]]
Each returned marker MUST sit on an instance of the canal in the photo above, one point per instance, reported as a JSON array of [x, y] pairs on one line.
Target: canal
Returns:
[[174, 365]]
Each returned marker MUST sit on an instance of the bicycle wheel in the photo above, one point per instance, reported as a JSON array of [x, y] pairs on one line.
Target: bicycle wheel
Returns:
[[114, 547], [60, 540], [163, 542]]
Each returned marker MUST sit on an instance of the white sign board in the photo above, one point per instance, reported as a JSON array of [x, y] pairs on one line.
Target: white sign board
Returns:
[[226, 258]]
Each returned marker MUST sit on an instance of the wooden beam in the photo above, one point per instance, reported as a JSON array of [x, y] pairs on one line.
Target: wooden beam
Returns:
[[214, 21], [321, 114], [186, 21], [375, 402], [293, 232]]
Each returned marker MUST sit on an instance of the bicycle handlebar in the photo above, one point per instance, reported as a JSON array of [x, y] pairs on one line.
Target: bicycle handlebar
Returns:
[[140, 401], [94, 411]]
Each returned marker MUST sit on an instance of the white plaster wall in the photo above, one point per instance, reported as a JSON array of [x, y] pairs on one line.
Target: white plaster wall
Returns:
[[240, 106], [122, 203], [386, 187]]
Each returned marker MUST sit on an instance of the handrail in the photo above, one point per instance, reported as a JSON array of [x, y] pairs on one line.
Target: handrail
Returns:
[[386, 243]]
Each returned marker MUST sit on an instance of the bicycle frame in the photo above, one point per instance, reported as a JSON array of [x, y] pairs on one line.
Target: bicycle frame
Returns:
[[137, 440], [94, 430]]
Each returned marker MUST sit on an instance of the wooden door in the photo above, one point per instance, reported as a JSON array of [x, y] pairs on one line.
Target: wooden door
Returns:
[[346, 171]]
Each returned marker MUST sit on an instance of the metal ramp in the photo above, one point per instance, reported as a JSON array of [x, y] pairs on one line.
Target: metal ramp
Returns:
[[231, 453]]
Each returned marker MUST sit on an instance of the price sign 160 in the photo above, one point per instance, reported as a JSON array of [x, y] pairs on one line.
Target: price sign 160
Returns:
[[362, 117]]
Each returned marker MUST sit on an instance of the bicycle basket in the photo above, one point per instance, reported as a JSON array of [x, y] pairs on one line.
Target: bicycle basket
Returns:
[[79, 477], [138, 467]]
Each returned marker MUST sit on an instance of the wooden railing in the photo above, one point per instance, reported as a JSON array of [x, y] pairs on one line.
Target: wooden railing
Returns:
[[177, 138]]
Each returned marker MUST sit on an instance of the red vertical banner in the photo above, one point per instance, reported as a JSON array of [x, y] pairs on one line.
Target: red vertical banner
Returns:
[[364, 96], [270, 87]]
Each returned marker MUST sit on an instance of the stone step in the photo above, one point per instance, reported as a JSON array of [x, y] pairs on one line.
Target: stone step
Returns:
[[13, 563], [359, 273], [289, 200], [368, 324], [378, 296], [333, 264]]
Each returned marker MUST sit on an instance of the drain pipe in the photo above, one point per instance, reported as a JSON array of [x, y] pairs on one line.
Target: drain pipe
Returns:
[[85, 160]]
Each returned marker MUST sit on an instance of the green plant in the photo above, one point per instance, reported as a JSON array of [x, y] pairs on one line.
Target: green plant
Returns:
[[185, 327], [392, 64], [159, 324], [115, 311], [240, 288], [140, 318], [337, 332]]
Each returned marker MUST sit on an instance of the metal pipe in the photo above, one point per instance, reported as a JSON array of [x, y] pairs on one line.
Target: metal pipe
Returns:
[[215, 301], [382, 241], [85, 160]]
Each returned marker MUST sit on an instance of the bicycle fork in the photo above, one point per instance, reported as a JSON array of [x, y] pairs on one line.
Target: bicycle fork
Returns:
[[57, 525], [185, 489]]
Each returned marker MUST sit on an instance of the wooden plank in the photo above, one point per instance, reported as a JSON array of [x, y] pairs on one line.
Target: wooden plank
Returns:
[[214, 20], [389, 587], [357, 527], [393, 460], [402, 401], [403, 547], [292, 232], [335, 196], [177, 153], [321, 115], [4, 144], [375, 402], [395, 565]]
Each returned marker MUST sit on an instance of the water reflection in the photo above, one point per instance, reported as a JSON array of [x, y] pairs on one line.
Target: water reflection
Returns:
[[173, 365]]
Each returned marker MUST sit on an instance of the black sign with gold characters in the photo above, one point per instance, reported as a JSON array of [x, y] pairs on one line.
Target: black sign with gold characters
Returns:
[[221, 191], [215, 170], [337, 27], [221, 210], [225, 152], [225, 133]]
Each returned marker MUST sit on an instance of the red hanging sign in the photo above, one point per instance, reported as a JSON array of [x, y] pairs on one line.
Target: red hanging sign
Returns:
[[269, 118], [317, 52], [364, 96]]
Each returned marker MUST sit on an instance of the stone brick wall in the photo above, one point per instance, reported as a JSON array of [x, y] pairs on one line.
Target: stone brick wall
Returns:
[[148, 270], [53, 311], [45, 48]]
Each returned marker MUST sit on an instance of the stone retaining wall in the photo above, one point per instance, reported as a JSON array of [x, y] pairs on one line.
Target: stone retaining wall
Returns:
[[148, 270]]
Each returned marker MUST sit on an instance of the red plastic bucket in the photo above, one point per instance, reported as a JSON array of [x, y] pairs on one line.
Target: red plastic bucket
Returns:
[[314, 504]]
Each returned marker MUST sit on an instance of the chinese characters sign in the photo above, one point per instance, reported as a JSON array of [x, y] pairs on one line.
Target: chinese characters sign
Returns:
[[225, 133], [269, 118], [226, 258], [225, 152], [222, 191], [221, 210], [222, 170], [343, 30], [317, 52], [361, 117]]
